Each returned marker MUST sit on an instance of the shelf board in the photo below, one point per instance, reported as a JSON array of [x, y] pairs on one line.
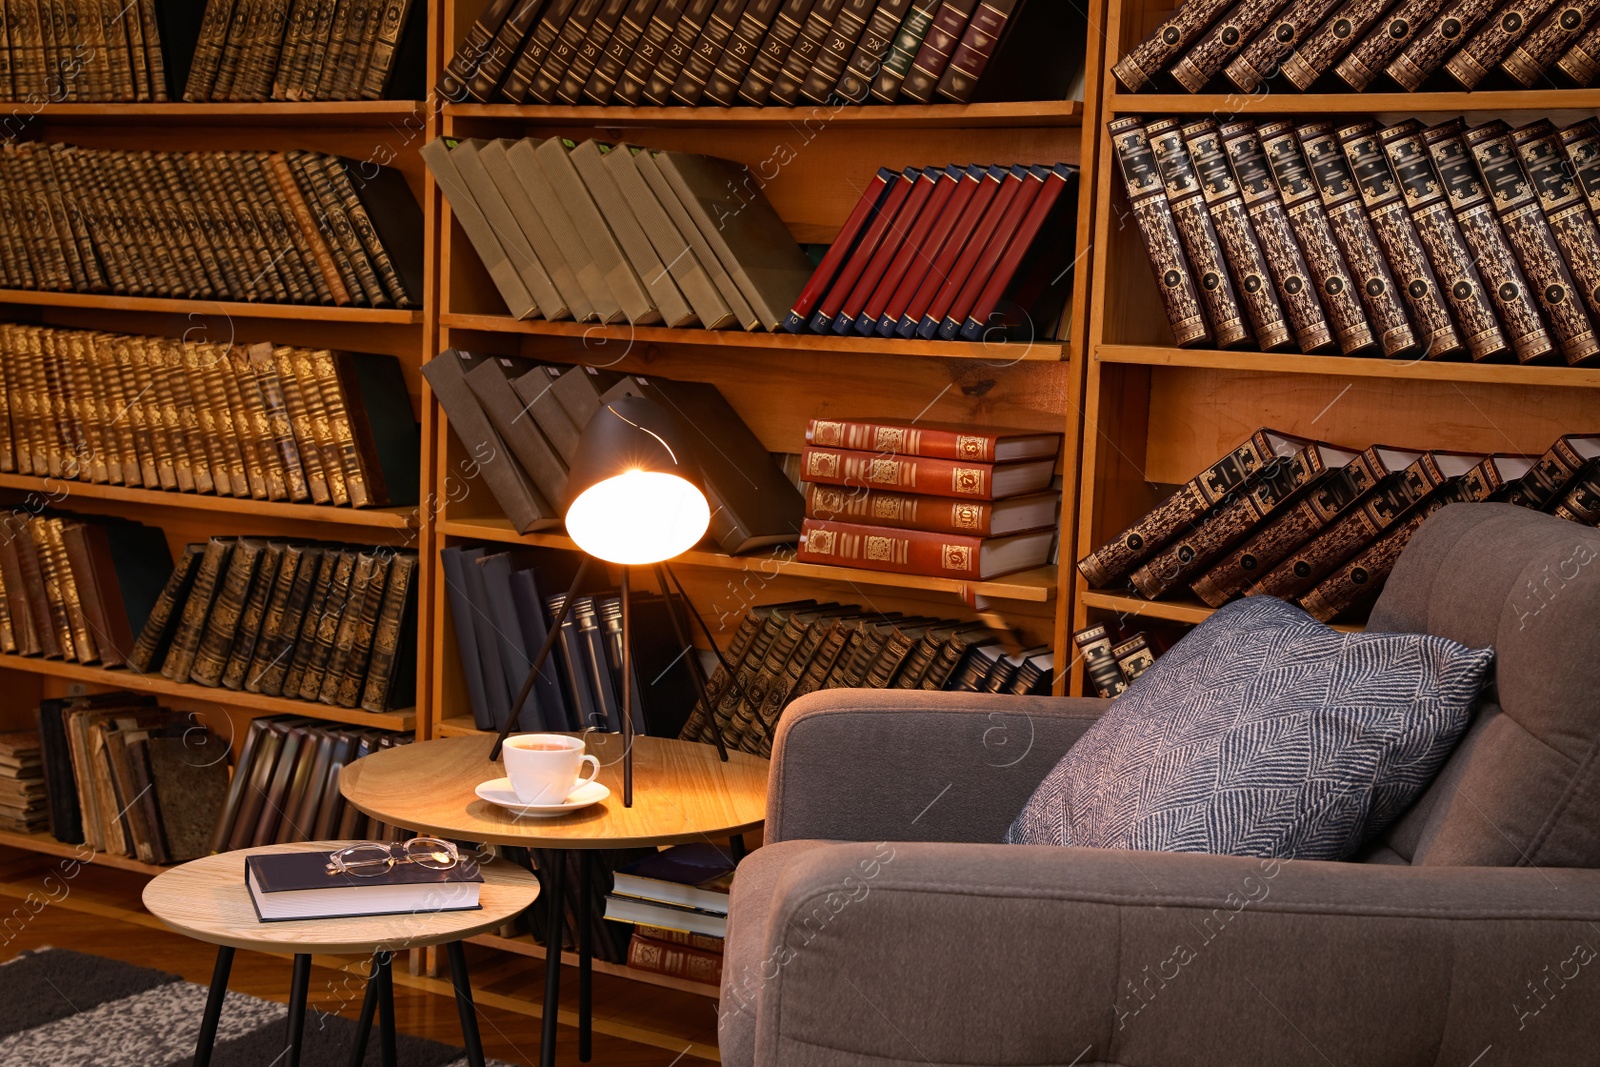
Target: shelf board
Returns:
[[525, 946], [233, 698], [1189, 611], [1345, 366], [1289, 103], [268, 113], [1050, 351], [43, 842], [906, 116], [458, 726], [1037, 585], [231, 308], [399, 520]]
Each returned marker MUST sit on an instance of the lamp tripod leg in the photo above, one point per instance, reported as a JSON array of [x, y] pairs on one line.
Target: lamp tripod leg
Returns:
[[627, 693], [702, 687], [539, 660]]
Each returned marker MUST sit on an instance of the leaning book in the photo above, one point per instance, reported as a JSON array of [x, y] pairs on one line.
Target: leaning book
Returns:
[[296, 885]]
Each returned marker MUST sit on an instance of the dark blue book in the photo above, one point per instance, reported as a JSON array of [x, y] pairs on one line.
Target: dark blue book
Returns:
[[547, 694], [296, 885], [455, 584], [515, 658]]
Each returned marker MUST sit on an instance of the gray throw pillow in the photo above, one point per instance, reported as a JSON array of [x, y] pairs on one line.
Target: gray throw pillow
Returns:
[[1262, 733]]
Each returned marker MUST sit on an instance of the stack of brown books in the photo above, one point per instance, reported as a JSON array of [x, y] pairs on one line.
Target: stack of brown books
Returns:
[[1516, 45], [781, 652], [258, 421], [929, 499], [1405, 240], [131, 778], [609, 233], [1304, 521], [678, 953], [23, 805], [766, 52], [328, 623], [281, 227]]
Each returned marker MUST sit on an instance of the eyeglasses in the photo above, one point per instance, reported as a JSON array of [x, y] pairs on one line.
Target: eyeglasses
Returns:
[[371, 858]]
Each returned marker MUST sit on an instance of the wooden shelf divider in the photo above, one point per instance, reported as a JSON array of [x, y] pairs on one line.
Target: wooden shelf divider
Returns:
[[900, 116]]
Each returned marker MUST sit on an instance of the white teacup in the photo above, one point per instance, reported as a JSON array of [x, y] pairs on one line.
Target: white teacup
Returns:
[[544, 768]]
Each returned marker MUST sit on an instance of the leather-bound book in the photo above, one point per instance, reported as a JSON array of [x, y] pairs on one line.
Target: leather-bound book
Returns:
[[366, 586], [962, 217], [1099, 661], [903, 49], [150, 648], [675, 50], [985, 246], [944, 37], [274, 576], [1280, 483], [1385, 203], [889, 218], [1223, 41], [1565, 208], [273, 788], [120, 569], [573, 195], [906, 252], [1385, 40], [1176, 282], [27, 634], [1197, 233], [1486, 246], [914, 511], [196, 609], [391, 675], [1581, 61], [837, 48], [309, 367], [1236, 472], [762, 65], [784, 88], [938, 440], [1291, 275], [959, 479], [474, 48], [1331, 498], [872, 50], [1496, 38], [647, 51], [222, 621], [505, 236], [862, 220], [386, 218], [1240, 247], [277, 418], [1549, 40], [706, 52], [390, 53], [1324, 46], [815, 624], [1581, 144], [697, 726], [1138, 69], [587, 56], [281, 633], [1259, 59], [188, 792], [77, 640], [588, 159], [490, 378], [299, 415], [619, 49], [314, 645], [1581, 502], [207, 55], [1516, 203], [1553, 473], [979, 42], [1433, 42], [1446, 249], [542, 89]]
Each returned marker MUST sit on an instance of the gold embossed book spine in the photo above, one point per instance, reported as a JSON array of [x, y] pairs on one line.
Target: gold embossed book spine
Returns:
[[1384, 41], [1223, 41], [1138, 68], [1549, 40], [1261, 58], [1495, 38], [1565, 209], [1433, 43]]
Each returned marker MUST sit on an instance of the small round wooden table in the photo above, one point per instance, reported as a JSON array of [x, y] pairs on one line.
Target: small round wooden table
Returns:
[[207, 899], [682, 792]]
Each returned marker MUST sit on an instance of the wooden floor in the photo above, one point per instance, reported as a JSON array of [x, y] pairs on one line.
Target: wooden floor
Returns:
[[97, 911]]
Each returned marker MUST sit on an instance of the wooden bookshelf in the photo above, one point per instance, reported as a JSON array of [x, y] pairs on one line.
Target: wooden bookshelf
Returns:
[[1028, 113], [526, 946], [1154, 414], [49, 846], [255, 310], [345, 113]]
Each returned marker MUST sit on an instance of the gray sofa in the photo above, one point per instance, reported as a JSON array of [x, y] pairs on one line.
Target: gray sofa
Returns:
[[881, 923]]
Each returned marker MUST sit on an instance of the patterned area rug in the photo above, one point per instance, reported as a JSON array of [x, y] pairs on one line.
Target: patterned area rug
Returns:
[[67, 1009]]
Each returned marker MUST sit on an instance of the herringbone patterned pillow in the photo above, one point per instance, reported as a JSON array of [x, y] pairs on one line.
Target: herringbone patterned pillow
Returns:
[[1262, 733]]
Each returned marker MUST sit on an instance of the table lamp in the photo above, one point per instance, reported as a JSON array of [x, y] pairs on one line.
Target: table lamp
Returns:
[[634, 499]]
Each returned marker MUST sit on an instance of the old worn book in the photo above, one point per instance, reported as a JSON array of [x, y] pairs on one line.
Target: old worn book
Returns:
[[281, 638], [391, 671], [919, 552], [222, 621], [196, 608], [925, 474], [150, 649], [366, 588]]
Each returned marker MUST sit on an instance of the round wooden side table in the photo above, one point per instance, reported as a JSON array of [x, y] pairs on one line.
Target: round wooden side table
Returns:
[[682, 792], [207, 899]]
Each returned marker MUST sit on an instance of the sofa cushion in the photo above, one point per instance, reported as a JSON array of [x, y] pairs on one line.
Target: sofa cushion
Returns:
[[1262, 733], [1523, 787]]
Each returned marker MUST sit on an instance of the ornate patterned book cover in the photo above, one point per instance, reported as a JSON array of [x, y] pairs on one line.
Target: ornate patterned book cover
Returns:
[[1565, 208], [1581, 62], [1384, 41], [1495, 38], [1223, 41], [1138, 68], [1560, 28], [1425, 53], [1261, 57]]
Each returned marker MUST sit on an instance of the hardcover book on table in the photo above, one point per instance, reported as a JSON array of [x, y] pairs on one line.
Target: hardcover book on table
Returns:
[[296, 885]]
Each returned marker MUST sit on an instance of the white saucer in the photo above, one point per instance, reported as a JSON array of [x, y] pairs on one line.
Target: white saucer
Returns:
[[498, 791]]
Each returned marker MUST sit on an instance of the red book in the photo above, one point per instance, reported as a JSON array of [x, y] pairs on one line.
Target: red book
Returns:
[[866, 246], [894, 241], [969, 181], [933, 439], [1053, 204], [955, 242], [966, 65], [945, 185], [938, 555], [1003, 238], [908, 511], [925, 475], [679, 961], [944, 37], [842, 246], [1017, 180]]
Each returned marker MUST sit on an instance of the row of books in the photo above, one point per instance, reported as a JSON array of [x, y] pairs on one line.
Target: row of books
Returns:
[[974, 252], [83, 50], [281, 227], [520, 422], [131, 778], [320, 622], [286, 786], [78, 588], [1111, 665], [1302, 520], [501, 607], [611, 233], [1526, 41], [257, 421], [781, 652], [1406, 240], [766, 52], [307, 50], [24, 799]]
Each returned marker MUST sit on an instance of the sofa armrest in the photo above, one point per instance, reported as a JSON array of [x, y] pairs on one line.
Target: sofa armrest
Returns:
[[1009, 955], [905, 765]]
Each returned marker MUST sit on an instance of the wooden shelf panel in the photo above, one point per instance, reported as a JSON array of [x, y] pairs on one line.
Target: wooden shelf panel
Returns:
[[398, 520], [457, 726], [231, 308], [1188, 611], [624, 336], [908, 116], [272, 113], [1038, 585], [1288, 103], [1342, 366], [43, 842], [155, 683], [525, 946]]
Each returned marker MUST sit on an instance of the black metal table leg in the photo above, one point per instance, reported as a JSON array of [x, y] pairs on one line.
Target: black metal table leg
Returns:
[[208, 1022], [369, 1006], [552, 884], [585, 958], [736, 844], [386, 1008], [464, 1005], [299, 987]]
